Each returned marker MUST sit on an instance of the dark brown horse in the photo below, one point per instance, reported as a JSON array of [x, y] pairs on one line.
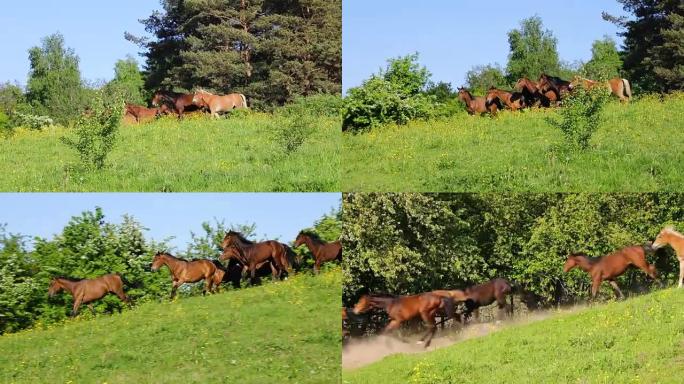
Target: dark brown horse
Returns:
[[532, 94], [554, 84], [321, 251], [477, 105], [179, 103], [142, 114], [611, 266], [513, 100], [404, 308], [189, 271], [482, 295], [88, 290], [252, 254]]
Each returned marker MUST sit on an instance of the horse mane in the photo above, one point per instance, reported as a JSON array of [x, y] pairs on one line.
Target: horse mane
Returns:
[[173, 257], [240, 237], [670, 229], [68, 278], [590, 259], [313, 235]]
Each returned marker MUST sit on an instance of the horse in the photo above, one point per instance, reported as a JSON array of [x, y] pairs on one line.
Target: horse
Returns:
[[477, 105], [668, 236], [189, 271], [321, 251], [142, 114], [176, 102], [218, 103], [482, 295], [609, 267], [252, 254], [533, 95], [513, 100], [233, 253], [86, 291], [618, 87], [554, 84], [404, 308]]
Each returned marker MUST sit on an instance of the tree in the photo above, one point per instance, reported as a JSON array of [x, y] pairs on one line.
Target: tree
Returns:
[[482, 77], [11, 96], [54, 85], [407, 74], [605, 61], [128, 81], [533, 51], [653, 52]]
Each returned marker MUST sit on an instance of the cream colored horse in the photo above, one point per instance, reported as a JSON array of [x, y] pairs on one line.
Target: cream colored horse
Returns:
[[618, 87], [219, 103], [668, 236]]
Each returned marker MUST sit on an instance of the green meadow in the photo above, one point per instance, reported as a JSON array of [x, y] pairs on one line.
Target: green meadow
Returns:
[[241, 153], [637, 148], [640, 340], [284, 332]]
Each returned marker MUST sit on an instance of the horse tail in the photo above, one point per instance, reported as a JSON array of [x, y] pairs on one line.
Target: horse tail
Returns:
[[128, 283], [627, 88], [290, 257], [244, 101]]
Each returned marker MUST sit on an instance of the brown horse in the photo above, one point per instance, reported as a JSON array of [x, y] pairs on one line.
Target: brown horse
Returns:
[[232, 252], [252, 254], [321, 251], [185, 271], [611, 266], [482, 295], [477, 105], [143, 114], [218, 103], [668, 236], [88, 290], [618, 87], [179, 103], [533, 95], [554, 84], [513, 100], [404, 308]]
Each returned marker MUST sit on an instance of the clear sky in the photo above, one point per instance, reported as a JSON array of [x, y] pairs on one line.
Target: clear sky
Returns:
[[452, 36], [276, 215], [94, 29]]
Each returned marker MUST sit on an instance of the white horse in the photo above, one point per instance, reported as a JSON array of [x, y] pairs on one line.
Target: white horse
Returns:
[[668, 236]]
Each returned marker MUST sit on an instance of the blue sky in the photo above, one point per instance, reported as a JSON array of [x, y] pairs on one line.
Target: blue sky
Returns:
[[454, 36], [277, 215], [94, 29]]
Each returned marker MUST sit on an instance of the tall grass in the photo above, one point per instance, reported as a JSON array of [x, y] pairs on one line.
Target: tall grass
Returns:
[[635, 149], [240, 153]]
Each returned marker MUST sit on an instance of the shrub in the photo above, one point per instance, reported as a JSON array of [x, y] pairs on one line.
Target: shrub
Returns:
[[95, 132], [292, 131], [4, 122], [580, 116], [318, 105], [31, 121]]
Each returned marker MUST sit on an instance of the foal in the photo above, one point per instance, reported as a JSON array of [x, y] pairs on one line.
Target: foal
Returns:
[[87, 290], [668, 236]]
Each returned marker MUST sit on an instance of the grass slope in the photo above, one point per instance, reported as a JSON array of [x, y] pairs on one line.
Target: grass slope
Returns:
[[279, 332], [636, 149], [640, 340], [238, 154]]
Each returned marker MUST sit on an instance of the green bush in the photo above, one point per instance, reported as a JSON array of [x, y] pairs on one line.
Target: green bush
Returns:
[[31, 121], [4, 123], [580, 116], [318, 105], [290, 132]]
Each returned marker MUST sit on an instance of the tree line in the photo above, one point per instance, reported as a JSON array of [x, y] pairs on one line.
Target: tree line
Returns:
[[89, 246], [411, 243]]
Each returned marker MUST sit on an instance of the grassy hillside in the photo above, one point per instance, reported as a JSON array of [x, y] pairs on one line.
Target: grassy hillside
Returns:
[[237, 154], [636, 149], [640, 340], [279, 332]]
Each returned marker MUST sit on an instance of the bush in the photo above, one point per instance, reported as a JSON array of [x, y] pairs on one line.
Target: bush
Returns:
[[318, 105], [31, 121], [95, 132], [292, 131], [580, 116]]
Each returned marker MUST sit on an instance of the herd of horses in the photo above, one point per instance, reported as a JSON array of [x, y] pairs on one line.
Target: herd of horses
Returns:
[[167, 102], [428, 305], [238, 252], [548, 91]]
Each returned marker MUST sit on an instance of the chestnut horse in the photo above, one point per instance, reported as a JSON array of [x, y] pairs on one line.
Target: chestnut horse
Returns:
[[233, 253], [668, 236], [477, 105], [142, 114], [176, 102], [189, 271], [252, 254], [513, 100], [218, 103], [618, 87], [533, 95], [554, 84], [321, 251], [611, 266], [404, 308], [482, 295], [88, 290]]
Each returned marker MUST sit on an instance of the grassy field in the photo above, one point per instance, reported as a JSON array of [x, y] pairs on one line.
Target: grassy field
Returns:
[[640, 340], [636, 149], [236, 154], [276, 333]]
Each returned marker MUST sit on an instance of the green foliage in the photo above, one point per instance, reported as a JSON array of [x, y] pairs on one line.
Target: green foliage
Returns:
[[128, 82], [4, 122], [292, 131], [533, 51], [11, 96], [95, 132], [605, 61], [31, 121], [580, 116], [407, 75], [481, 78], [318, 105], [54, 86]]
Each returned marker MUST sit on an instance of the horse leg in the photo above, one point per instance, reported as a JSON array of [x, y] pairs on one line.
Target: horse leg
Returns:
[[317, 267], [207, 286], [77, 304], [392, 326], [617, 290], [595, 284], [429, 319], [274, 272], [252, 272], [175, 286]]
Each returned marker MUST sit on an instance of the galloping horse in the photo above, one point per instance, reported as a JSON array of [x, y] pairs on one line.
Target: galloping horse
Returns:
[[253, 254], [403, 308], [477, 105], [611, 266], [533, 95], [618, 87], [87, 290], [217, 103], [189, 271], [668, 236], [513, 100], [141, 113], [177, 102], [321, 251], [555, 84], [481, 295], [232, 252]]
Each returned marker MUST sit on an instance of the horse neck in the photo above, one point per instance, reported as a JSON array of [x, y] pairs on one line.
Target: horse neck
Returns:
[[313, 246], [677, 243], [382, 302], [584, 263], [68, 285], [173, 263], [467, 97]]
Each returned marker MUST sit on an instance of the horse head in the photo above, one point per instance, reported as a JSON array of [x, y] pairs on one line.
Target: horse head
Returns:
[[158, 261], [665, 237], [55, 287], [363, 305], [572, 261]]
